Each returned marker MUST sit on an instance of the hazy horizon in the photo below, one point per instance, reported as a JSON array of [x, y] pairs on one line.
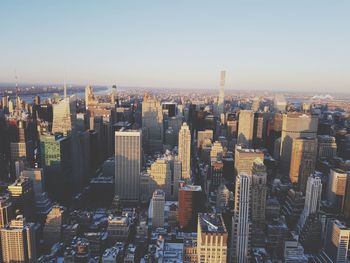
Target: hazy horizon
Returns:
[[263, 45]]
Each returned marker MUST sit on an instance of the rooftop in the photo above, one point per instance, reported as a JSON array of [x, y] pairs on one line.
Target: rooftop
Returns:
[[211, 223]]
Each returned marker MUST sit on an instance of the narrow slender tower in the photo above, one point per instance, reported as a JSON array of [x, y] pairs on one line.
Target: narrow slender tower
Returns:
[[222, 92]]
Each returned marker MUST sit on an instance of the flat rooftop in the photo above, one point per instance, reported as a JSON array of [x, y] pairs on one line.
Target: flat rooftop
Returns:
[[211, 223]]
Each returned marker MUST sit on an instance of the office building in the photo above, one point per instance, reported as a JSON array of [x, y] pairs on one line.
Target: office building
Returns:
[[346, 201], [152, 123], [18, 242], [259, 188], [295, 125], [64, 115], [165, 174], [241, 222], [118, 228], [211, 239], [244, 159], [337, 241], [303, 161], [312, 198], [52, 232], [22, 196], [156, 209], [37, 177], [6, 210], [128, 164], [327, 146], [202, 136], [189, 205], [336, 186], [185, 151], [216, 152], [90, 100], [245, 128]]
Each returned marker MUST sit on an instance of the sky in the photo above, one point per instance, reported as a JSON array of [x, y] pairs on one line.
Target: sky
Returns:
[[262, 44]]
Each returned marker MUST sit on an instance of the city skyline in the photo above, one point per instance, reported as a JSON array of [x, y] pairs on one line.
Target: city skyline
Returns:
[[269, 46]]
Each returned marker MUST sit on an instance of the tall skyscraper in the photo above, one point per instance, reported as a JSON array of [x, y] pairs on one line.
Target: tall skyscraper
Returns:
[[189, 204], [90, 99], [211, 239], [295, 125], [53, 225], [204, 135], [37, 177], [128, 161], [165, 174], [6, 210], [259, 177], [337, 241], [327, 146], [221, 100], [303, 161], [336, 186], [185, 151], [244, 159], [64, 115], [312, 198], [241, 223], [156, 209], [18, 242], [346, 201], [152, 122], [57, 161], [22, 195], [245, 128]]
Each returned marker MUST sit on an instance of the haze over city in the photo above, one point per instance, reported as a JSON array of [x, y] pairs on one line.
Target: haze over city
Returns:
[[263, 45]]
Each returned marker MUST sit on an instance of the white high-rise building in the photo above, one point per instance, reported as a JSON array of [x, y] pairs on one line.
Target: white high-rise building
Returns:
[[156, 209], [245, 128], [241, 223], [128, 164], [185, 151], [312, 198]]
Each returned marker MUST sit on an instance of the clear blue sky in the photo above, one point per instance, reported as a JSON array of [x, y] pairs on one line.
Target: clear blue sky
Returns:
[[262, 44]]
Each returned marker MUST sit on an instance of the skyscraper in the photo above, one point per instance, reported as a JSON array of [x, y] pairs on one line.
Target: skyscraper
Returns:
[[64, 115], [18, 242], [156, 209], [22, 195], [221, 100], [295, 125], [259, 177], [337, 241], [152, 122], [245, 128], [53, 225], [303, 161], [128, 163], [189, 204], [165, 174], [6, 210], [211, 239], [336, 186], [185, 151], [244, 159], [241, 223], [90, 99], [327, 146], [312, 198]]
